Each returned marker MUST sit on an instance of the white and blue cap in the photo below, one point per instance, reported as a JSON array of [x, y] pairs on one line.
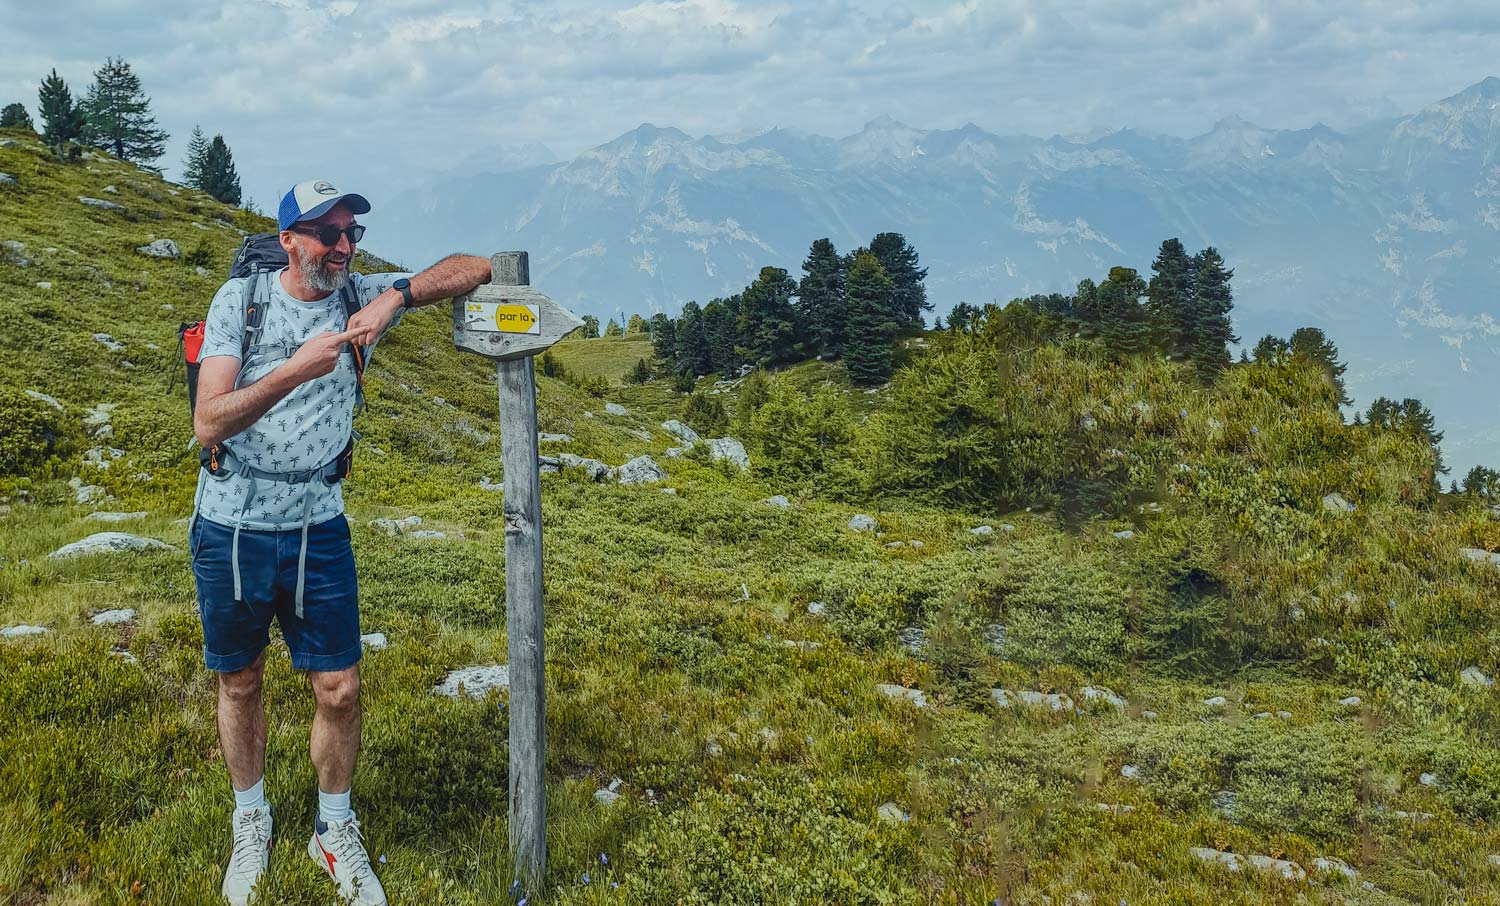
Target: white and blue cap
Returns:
[[312, 198]]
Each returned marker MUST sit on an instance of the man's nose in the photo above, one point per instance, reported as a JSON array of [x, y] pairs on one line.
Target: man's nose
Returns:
[[344, 245]]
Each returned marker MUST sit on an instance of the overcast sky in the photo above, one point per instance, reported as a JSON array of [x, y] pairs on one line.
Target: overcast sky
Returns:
[[376, 94]]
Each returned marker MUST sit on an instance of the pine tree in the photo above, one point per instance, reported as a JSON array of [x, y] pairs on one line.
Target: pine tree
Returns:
[[613, 329], [1209, 331], [590, 327], [692, 343], [640, 373], [908, 295], [193, 160], [1271, 350], [15, 116], [1310, 343], [767, 325], [118, 117], [820, 299], [219, 177], [664, 339], [721, 332], [636, 325], [1170, 296], [62, 119], [867, 346], [1123, 322]]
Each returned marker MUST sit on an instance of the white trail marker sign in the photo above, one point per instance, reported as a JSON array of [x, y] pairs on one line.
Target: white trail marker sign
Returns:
[[508, 321]]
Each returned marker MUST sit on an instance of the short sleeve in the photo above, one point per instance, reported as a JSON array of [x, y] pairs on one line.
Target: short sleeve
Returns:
[[225, 324], [368, 286]]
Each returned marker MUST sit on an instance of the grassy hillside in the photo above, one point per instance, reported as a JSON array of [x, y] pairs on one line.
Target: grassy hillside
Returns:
[[758, 761]]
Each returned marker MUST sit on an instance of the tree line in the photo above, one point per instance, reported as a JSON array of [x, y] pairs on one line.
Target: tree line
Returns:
[[115, 115]]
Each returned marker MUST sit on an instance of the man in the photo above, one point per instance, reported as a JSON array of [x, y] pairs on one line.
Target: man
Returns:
[[268, 535]]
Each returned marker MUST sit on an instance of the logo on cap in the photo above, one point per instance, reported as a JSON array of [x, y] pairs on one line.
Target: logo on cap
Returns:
[[323, 188]]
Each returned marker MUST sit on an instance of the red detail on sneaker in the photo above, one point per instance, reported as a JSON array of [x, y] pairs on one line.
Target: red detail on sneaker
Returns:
[[326, 854]]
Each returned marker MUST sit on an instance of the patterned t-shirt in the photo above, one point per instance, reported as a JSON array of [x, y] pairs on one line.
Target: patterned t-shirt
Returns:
[[305, 429]]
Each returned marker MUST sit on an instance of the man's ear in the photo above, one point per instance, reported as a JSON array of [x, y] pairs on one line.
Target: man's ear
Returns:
[[285, 238]]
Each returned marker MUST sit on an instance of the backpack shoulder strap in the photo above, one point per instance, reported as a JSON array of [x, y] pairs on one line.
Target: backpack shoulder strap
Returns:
[[350, 298], [255, 297]]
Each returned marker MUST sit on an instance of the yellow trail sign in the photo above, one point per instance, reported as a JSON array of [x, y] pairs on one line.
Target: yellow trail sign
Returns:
[[500, 317]]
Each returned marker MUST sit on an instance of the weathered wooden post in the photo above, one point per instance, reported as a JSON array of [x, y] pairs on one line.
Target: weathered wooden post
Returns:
[[508, 321]]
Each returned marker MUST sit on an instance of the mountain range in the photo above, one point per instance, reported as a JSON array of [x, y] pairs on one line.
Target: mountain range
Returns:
[[1383, 234]]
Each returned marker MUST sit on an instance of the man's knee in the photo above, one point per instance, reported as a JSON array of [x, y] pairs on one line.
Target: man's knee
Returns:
[[243, 686], [338, 690]]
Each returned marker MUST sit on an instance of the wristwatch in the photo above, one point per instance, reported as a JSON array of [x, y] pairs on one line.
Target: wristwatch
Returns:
[[404, 286]]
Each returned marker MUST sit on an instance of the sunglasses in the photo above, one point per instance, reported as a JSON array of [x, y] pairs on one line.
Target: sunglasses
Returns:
[[329, 235]]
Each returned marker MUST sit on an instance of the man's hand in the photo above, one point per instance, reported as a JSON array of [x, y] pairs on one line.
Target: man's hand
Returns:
[[318, 356], [365, 327]]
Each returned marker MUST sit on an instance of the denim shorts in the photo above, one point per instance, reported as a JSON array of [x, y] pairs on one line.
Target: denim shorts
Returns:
[[325, 637]]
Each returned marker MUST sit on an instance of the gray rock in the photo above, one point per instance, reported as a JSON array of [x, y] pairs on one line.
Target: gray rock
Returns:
[[895, 544], [675, 452], [1100, 693], [801, 646], [1284, 715], [1335, 503], [1148, 715], [1428, 779], [85, 493], [201, 271], [375, 641], [1335, 867], [111, 190], [17, 250], [778, 501], [1218, 701], [115, 517], [1287, 871], [397, 526], [1473, 676], [1351, 701], [712, 749], [113, 617], [108, 342], [670, 492], [916, 543], [1225, 802], [1054, 700], [1130, 771], [862, 523], [1114, 809], [615, 409], [982, 530], [545, 438], [729, 450], [108, 543], [891, 813], [474, 682], [7, 180], [596, 470], [20, 632], [1125, 534], [42, 397], [44, 284], [1493, 859], [100, 203], [641, 470], [1007, 527], [1295, 613], [817, 608], [427, 535], [915, 696], [680, 431], [9, 143], [1001, 697], [1483, 556], [913, 639], [994, 636], [610, 794]]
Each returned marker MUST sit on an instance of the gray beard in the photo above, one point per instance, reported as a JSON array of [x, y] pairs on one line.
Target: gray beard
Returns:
[[318, 276]]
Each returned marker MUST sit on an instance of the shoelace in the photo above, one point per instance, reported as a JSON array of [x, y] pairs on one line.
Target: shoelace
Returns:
[[250, 838], [348, 846]]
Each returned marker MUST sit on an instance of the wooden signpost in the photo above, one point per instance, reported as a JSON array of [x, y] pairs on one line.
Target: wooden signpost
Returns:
[[508, 321]]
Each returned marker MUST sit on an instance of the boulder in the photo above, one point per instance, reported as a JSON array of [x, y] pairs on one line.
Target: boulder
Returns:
[[427, 535], [7, 180], [1335, 867], [98, 418], [1483, 556], [1148, 715], [641, 470], [1218, 701], [1125, 534], [902, 693], [1007, 527], [610, 794], [982, 530], [913, 639], [596, 470], [20, 632], [375, 641], [891, 813], [486, 485], [778, 501], [161, 248], [108, 542], [615, 409], [1473, 676], [862, 523], [545, 438], [1335, 503], [17, 251], [817, 608], [100, 203], [1099, 693], [397, 526], [1225, 802], [680, 431], [116, 517], [44, 398], [729, 450], [85, 493], [1055, 700], [108, 342], [474, 682], [994, 636], [1351, 701], [113, 617], [1428, 779]]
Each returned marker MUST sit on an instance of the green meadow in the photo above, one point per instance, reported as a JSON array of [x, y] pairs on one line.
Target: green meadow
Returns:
[[1164, 551]]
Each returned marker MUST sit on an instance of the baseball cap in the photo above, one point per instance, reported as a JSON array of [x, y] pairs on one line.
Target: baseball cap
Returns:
[[312, 198]]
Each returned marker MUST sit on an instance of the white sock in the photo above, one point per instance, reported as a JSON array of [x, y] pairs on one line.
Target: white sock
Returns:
[[334, 807], [253, 798]]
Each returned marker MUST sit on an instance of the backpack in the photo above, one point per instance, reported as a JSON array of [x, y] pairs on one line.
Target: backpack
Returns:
[[260, 256]]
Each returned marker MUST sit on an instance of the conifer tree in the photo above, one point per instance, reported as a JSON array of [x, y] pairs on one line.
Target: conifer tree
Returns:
[[193, 160], [1209, 333], [636, 325], [1086, 305], [219, 177], [908, 295], [14, 115], [590, 327], [613, 329], [767, 325], [867, 346], [1170, 296], [1271, 350], [1310, 343], [721, 331], [1123, 323], [820, 299], [62, 118], [1482, 483], [118, 117], [692, 342], [664, 339]]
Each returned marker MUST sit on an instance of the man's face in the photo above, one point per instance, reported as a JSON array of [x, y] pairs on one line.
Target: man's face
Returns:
[[324, 268]]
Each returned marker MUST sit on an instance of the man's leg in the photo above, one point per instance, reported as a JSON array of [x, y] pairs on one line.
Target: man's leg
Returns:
[[335, 729], [242, 723]]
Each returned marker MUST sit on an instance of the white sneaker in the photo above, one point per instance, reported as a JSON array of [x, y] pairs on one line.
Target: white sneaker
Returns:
[[251, 855], [339, 847]]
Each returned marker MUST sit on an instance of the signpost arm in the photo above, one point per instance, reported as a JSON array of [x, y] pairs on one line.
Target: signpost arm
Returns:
[[523, 594]]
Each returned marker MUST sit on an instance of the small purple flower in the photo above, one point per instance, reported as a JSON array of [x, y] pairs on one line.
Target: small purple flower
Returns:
[[382, 858], [614, 885], [524, 901], [585, 877], [1254, 430], [603, 859], [515, 887]]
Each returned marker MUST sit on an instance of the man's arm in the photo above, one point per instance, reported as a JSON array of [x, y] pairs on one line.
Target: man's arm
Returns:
[[452, 276], [223, 412]]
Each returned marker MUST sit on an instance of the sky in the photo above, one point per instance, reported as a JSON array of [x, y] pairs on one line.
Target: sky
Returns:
[[377, 95]]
